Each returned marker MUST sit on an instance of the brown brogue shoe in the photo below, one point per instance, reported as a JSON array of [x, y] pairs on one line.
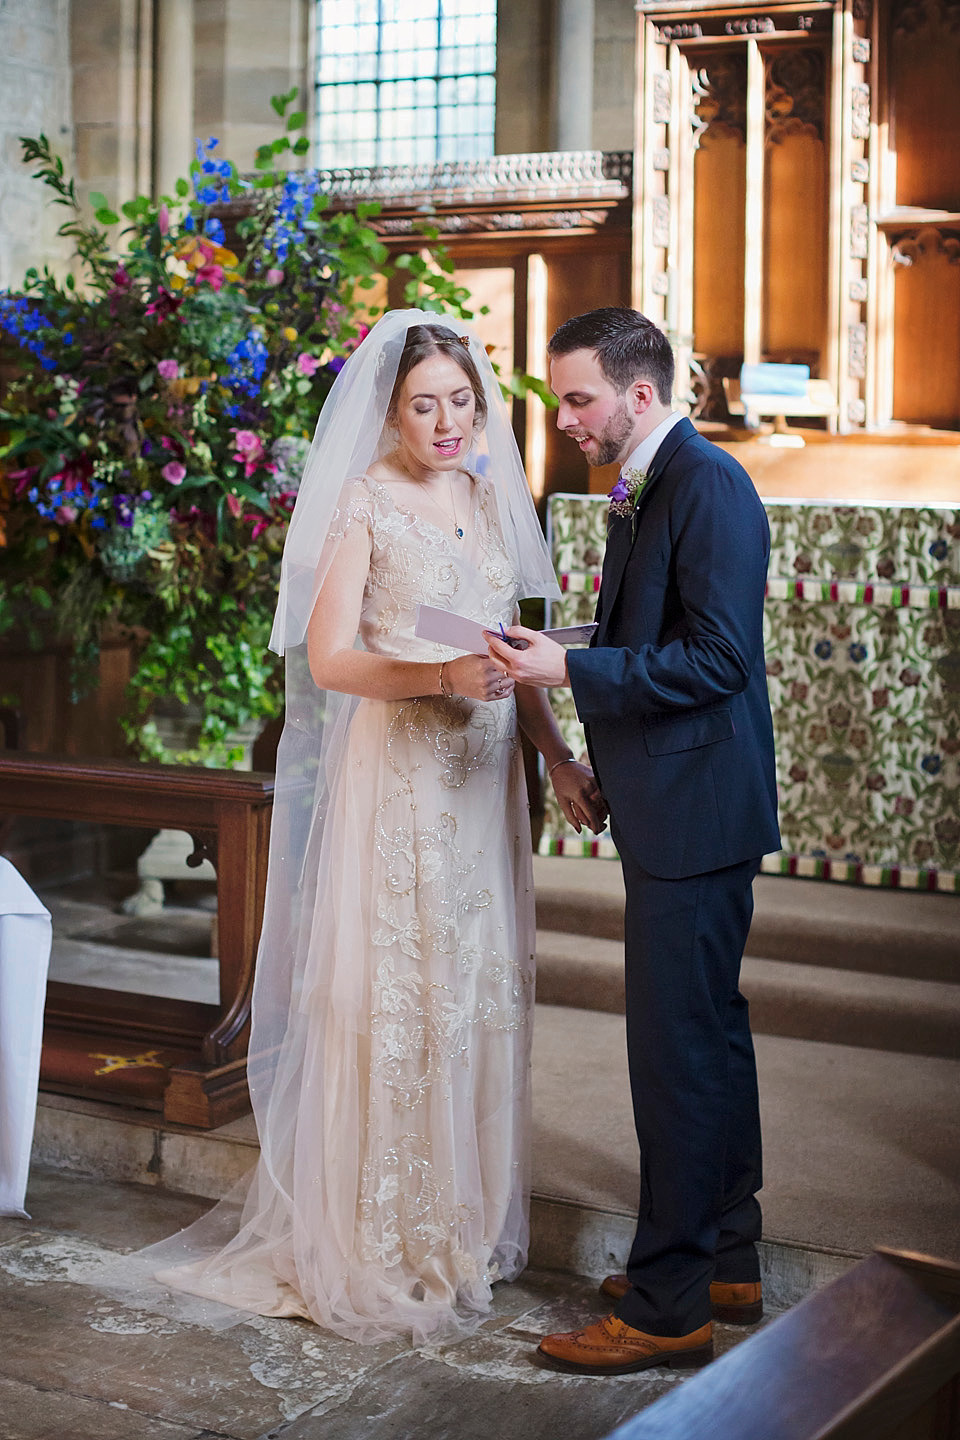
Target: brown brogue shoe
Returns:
[[614, 1287], [610, 1347], [735, 1304]]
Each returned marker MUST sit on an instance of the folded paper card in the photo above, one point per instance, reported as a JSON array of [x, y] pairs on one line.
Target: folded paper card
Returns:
[[446, 628]]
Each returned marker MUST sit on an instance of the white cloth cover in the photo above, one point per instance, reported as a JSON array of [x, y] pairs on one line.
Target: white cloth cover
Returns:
[[25, 935]]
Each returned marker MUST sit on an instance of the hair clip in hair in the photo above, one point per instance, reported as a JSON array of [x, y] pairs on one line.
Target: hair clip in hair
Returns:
[[463, 340]]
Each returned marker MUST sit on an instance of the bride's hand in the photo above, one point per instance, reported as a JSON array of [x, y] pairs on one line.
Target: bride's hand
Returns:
[[579, 796], [477, 677]]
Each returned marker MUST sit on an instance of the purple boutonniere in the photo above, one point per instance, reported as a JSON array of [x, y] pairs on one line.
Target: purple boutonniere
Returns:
[[627, 491]]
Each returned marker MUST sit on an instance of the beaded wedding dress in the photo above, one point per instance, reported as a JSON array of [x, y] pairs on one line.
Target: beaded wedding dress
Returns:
[[401, 1195]]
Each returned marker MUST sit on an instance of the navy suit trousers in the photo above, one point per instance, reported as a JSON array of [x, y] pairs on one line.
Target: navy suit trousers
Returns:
[[694, 1085]]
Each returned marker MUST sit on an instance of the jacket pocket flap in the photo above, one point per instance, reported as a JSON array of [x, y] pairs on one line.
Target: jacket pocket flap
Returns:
[[689, 732]]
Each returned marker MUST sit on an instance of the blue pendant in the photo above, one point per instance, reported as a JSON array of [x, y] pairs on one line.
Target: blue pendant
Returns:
[[459, 533]]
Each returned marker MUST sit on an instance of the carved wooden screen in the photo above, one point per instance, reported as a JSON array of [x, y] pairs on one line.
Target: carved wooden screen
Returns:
[[923, 230], [738, 147]]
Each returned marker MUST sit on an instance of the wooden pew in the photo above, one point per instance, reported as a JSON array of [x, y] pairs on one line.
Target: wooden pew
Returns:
[[184, 1058], [873, 1356]]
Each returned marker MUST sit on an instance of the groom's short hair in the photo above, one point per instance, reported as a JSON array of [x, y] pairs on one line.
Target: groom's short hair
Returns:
[[628, 347]]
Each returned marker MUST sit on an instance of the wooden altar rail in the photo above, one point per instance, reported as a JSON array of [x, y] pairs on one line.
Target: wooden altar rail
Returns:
[[202, 1080]]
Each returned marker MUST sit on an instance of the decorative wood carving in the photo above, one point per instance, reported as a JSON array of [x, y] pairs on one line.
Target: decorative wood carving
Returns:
[[912, 15], [720, 98], [795, 95], [857, 357], [568, 190], [860, 112], [661, 160], [497, 220], [660, 284], [503, 179], [660, 229], [858, 291], [860, 171], [859, 231], [863, 10], [662, 96], [686, 30], [861, 50], [911, 248], [856, 412]]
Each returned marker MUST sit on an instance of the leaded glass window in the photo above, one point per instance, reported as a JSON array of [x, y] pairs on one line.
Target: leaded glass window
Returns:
[[403, 82]]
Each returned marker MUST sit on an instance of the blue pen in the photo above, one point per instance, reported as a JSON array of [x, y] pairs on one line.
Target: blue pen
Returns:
[[509, 640]]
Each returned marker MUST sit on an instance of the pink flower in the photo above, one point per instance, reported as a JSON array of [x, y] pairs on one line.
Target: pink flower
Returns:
[[307, 364], [213, 274], [235, 506], [174, 472], [163, 219], [249, 450], [274, 277], [168, 369], [67, 514]]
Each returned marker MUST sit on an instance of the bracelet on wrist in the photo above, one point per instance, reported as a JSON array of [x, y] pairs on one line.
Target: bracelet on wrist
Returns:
[[567, 760], [443, 690]]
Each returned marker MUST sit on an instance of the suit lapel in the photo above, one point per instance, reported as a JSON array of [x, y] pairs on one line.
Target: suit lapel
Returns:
[[623, 530]]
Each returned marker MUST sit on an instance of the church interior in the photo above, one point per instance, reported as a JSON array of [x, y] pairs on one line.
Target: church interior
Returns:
[[778, 187]]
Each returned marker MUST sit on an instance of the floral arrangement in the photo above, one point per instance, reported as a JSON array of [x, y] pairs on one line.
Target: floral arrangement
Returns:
[[156, 415]]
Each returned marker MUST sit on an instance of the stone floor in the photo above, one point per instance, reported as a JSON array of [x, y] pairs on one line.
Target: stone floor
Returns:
[[76, 1365], [860, 1147]]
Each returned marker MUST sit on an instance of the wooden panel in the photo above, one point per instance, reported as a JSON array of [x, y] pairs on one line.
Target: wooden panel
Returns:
[[924, 70], [578, 280], [718, 237], [926, 365], [38, 684], [795, 225]]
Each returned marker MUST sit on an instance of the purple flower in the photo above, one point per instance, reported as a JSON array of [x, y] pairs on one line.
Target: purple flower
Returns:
[[620, 490], [173, 472], [123, 504], [168, 369]]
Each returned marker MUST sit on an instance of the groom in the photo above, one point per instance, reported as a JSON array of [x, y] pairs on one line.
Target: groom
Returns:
[[673, 696]]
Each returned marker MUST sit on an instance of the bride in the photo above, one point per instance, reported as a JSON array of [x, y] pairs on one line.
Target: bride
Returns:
[[390, 1054]]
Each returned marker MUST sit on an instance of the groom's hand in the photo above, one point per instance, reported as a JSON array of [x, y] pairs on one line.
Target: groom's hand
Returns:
[[543, 662]]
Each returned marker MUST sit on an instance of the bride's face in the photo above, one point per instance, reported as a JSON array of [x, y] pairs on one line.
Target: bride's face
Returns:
[[435, 415]]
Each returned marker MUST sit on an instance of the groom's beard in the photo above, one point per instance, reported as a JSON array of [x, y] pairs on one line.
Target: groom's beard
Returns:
[[613, 437]]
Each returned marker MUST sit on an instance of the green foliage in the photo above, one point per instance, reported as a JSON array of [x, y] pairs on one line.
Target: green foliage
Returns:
[[152, 441]]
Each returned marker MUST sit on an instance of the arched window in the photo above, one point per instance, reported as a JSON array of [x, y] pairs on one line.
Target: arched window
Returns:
[[402, 82]]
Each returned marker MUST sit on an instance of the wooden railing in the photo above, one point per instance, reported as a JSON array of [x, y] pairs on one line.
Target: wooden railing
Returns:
[[874, 1356], [189, 1059]]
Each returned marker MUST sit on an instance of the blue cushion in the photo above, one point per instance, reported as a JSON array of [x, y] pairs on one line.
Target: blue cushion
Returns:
[[769, 379]]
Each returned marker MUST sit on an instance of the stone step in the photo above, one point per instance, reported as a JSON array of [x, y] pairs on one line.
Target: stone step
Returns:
[[832, 1115], [810, 922], [808, 1002]]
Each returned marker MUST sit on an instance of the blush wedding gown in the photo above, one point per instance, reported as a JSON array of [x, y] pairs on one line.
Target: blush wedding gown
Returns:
[[393, 1192]]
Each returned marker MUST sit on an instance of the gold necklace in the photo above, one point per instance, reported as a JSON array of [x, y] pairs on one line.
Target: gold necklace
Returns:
[[457, 527]]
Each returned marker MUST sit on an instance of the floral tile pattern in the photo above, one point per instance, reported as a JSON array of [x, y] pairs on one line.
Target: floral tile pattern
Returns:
[[862, 627]]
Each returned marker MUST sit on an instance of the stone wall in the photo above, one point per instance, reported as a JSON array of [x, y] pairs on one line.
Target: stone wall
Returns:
[[35, 86], [526, 40]]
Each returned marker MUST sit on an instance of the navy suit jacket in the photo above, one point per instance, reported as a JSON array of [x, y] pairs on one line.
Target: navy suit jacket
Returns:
[[673, 691]]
